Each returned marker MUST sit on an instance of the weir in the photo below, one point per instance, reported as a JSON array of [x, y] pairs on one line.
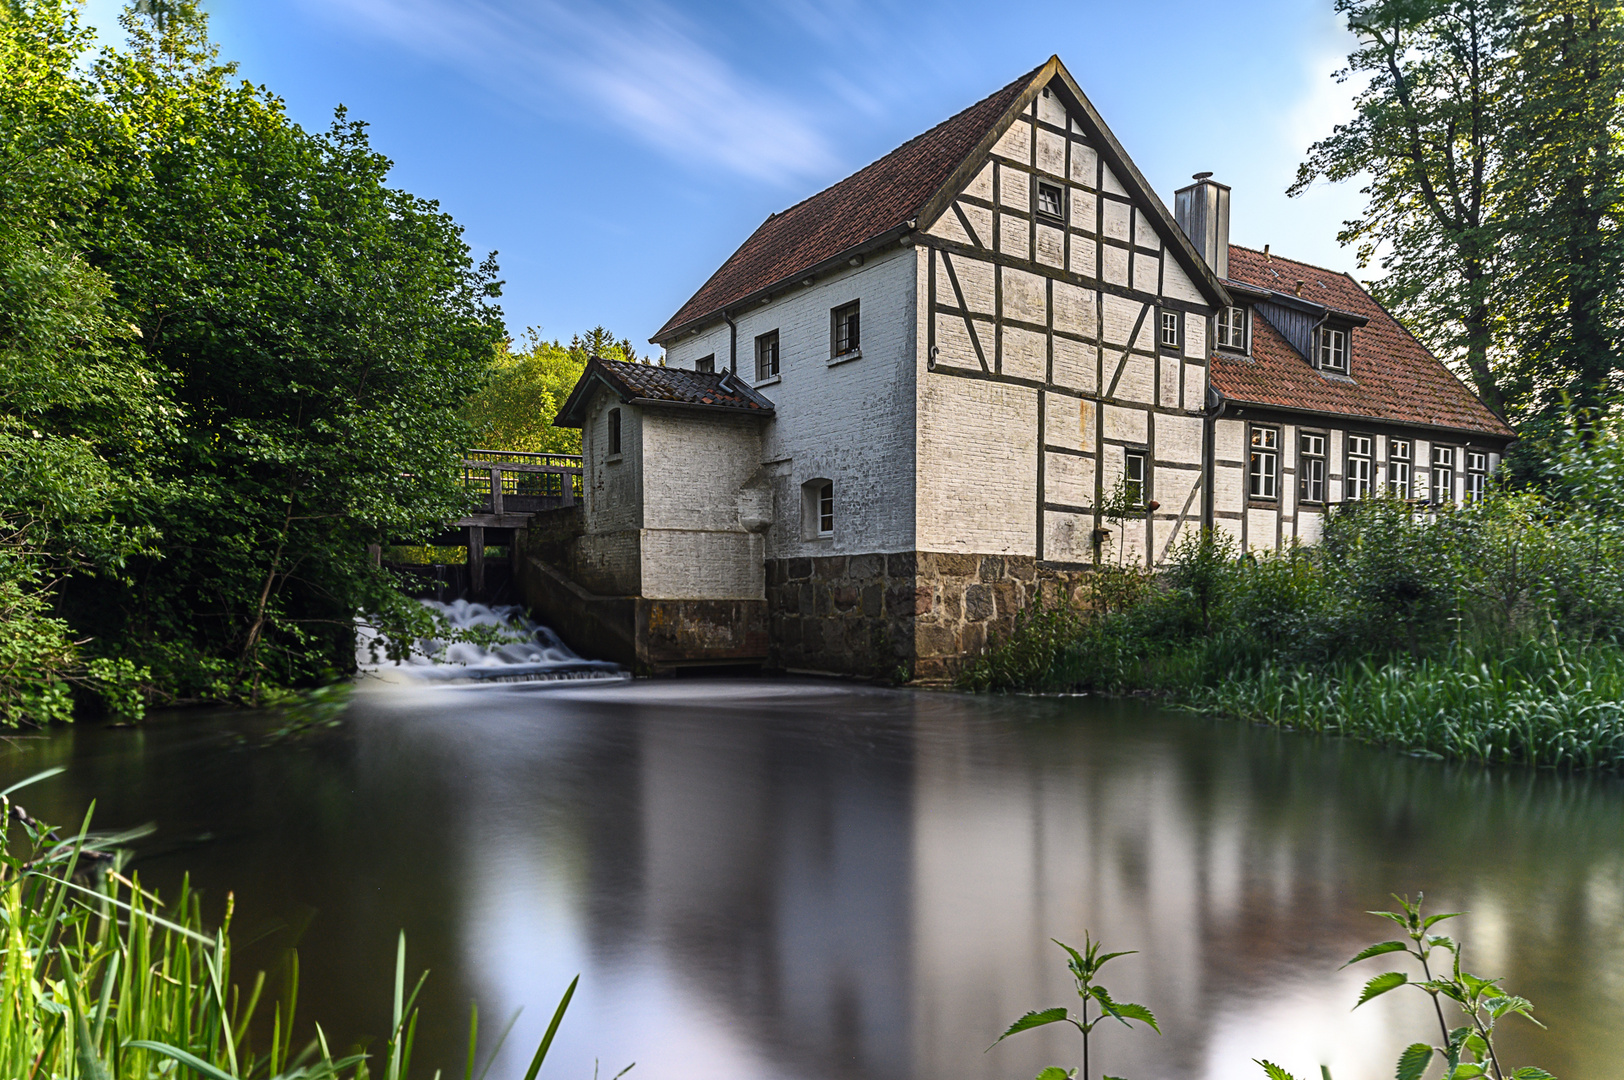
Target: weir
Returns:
[[525, 651]]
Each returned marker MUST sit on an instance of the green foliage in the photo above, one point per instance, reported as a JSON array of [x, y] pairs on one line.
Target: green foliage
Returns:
[[100, 981], [1490, 137], [231, 357], [1084, 967]]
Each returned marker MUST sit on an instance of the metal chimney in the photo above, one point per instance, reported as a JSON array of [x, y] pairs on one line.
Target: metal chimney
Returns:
[[1202, 211]]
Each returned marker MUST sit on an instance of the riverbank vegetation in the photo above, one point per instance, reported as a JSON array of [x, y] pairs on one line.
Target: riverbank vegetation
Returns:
[[100, 980], [1489, 632], [232, 356]]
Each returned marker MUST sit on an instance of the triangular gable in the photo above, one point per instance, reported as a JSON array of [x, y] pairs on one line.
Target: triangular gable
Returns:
[[1122, 176]]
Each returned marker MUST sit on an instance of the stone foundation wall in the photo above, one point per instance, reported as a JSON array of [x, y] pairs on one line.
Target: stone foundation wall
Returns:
[[917, 615]]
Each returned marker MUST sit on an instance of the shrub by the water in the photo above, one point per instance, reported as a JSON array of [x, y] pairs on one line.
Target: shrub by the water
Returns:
[[1491, 632]]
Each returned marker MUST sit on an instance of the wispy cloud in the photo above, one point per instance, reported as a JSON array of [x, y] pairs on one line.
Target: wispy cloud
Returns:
[[641, 69]]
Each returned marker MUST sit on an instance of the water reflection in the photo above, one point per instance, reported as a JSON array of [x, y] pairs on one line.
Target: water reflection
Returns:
[[766, 880]]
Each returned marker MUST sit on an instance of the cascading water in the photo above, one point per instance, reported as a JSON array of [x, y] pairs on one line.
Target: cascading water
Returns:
[[528, 652]]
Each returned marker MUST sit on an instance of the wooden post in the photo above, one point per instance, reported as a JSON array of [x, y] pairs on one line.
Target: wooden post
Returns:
[[375, 554], [496, 489], [476, 560], [568, 479]]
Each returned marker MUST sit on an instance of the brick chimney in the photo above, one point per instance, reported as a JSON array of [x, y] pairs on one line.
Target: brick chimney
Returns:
[[1202, 211]]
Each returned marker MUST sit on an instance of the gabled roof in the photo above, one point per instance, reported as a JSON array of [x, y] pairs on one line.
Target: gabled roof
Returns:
[[1393, 377], [912, 184], [650, 384]]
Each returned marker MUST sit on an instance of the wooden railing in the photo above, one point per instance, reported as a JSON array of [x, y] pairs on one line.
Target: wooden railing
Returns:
[[520, 482]]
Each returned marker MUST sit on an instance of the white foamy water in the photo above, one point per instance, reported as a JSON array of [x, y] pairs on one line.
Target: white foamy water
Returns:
[[527, 652]]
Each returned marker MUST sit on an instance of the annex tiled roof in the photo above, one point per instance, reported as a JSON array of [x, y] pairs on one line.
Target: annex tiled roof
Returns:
[[1394, 377], [652, 383], [865, 205]]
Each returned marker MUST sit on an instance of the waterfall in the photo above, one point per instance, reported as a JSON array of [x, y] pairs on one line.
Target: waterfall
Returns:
[[529, 652]]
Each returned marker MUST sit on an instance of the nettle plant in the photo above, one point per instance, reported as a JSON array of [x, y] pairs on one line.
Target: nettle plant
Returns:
[[1467, 1051], [1084, 966]]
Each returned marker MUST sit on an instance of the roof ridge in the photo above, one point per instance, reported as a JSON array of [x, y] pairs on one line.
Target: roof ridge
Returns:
[[1312, 266]]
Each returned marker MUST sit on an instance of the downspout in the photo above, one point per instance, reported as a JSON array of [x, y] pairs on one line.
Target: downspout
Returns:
[[1209, 424], [732, 342]]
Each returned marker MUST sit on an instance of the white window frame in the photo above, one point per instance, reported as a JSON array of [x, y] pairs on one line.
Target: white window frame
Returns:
[[1333, 349], [1170, 334], [818, 509], [845, 329], [1263, 466], [1443, 474], [1136, 475], [1311, 466], [1232, 328], [1361, 470], [1400, 466], [1477, 474], [1059, 212]]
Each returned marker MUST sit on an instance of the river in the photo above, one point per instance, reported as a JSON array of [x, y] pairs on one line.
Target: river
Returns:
[[764, 880]]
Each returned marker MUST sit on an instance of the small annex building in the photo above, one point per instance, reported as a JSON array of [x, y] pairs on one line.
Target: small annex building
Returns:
[[911, 404]]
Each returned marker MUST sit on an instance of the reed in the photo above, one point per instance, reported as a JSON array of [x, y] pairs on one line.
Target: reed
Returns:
[[99, 980]]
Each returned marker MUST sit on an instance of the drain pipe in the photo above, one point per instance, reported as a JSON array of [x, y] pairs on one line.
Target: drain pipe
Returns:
[[1209, 425], [732, 342]]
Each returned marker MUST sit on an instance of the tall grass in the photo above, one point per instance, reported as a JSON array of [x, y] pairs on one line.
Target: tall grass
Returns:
[[101, 981], [1540, 704]]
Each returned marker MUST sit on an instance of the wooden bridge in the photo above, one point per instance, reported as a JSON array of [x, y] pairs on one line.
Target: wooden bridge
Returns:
[[515, 484]]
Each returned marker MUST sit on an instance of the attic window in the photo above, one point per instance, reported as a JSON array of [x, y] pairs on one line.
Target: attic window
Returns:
[[1333, 350], [1051, 200], [706, 364], [1232, 328]]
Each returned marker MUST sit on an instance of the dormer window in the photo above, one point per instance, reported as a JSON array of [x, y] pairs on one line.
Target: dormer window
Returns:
[[1333, 350], [1232, 328], [1051, 200]]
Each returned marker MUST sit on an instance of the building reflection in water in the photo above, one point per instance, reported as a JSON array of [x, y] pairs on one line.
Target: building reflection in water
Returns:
[[770, 882]]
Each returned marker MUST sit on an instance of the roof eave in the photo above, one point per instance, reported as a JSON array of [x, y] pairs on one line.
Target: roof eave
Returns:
[[1507, 436]]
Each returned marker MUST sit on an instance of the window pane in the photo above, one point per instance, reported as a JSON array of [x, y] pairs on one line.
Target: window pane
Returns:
[[826, 508]]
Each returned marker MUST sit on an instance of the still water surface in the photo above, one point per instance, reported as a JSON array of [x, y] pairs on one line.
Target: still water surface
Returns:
[[772, 880]]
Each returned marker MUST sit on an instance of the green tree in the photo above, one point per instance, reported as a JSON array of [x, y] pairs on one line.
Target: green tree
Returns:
[[1426, 134], [317, 332], [526, 388], [1563, 190]]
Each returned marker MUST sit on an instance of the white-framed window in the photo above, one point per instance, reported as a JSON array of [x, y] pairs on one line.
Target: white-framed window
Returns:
[[818, 509], [1400, 453], [1263, 470], [613, 424], [767, 355], [1477, 474], [1170, 337], [1232, 328], [1361, 465], [1443, 474], [1311, 468], [1333, 349], [1133, 476], [845, 326], [1051, 199], [706, 364]]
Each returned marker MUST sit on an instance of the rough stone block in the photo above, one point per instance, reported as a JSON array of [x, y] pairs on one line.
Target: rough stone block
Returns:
[[873, 601], [1021, 567], [862, 567], [829, 567], [822, 602], [789, 635], [932, 640], [811, 636], [954, 565], [1007, 596], [901, 564], [978, 603], [800, 569], [974, 639], [844, 597], [805, 603], [992, 568]]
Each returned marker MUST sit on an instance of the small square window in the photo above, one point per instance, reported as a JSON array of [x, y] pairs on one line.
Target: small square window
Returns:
[[1051, 200], [845, 327], [1333, 350], [706, 364], [767, 355], [1170, 330], [1232, 328]]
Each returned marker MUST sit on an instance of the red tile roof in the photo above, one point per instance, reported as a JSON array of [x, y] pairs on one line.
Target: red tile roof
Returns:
[[865, 205], [1394, 377], [655, 383]]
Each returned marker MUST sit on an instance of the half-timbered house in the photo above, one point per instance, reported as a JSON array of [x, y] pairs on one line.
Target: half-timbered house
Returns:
[[980, 366]]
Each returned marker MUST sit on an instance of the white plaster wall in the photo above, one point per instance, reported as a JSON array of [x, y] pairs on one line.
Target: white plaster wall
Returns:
[[977, 486], [852, 422]]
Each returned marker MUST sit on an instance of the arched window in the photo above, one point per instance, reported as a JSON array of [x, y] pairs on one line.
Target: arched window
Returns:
[[818, 509]]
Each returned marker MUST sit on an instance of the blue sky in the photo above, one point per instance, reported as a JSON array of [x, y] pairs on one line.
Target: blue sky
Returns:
[[615, 153]]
